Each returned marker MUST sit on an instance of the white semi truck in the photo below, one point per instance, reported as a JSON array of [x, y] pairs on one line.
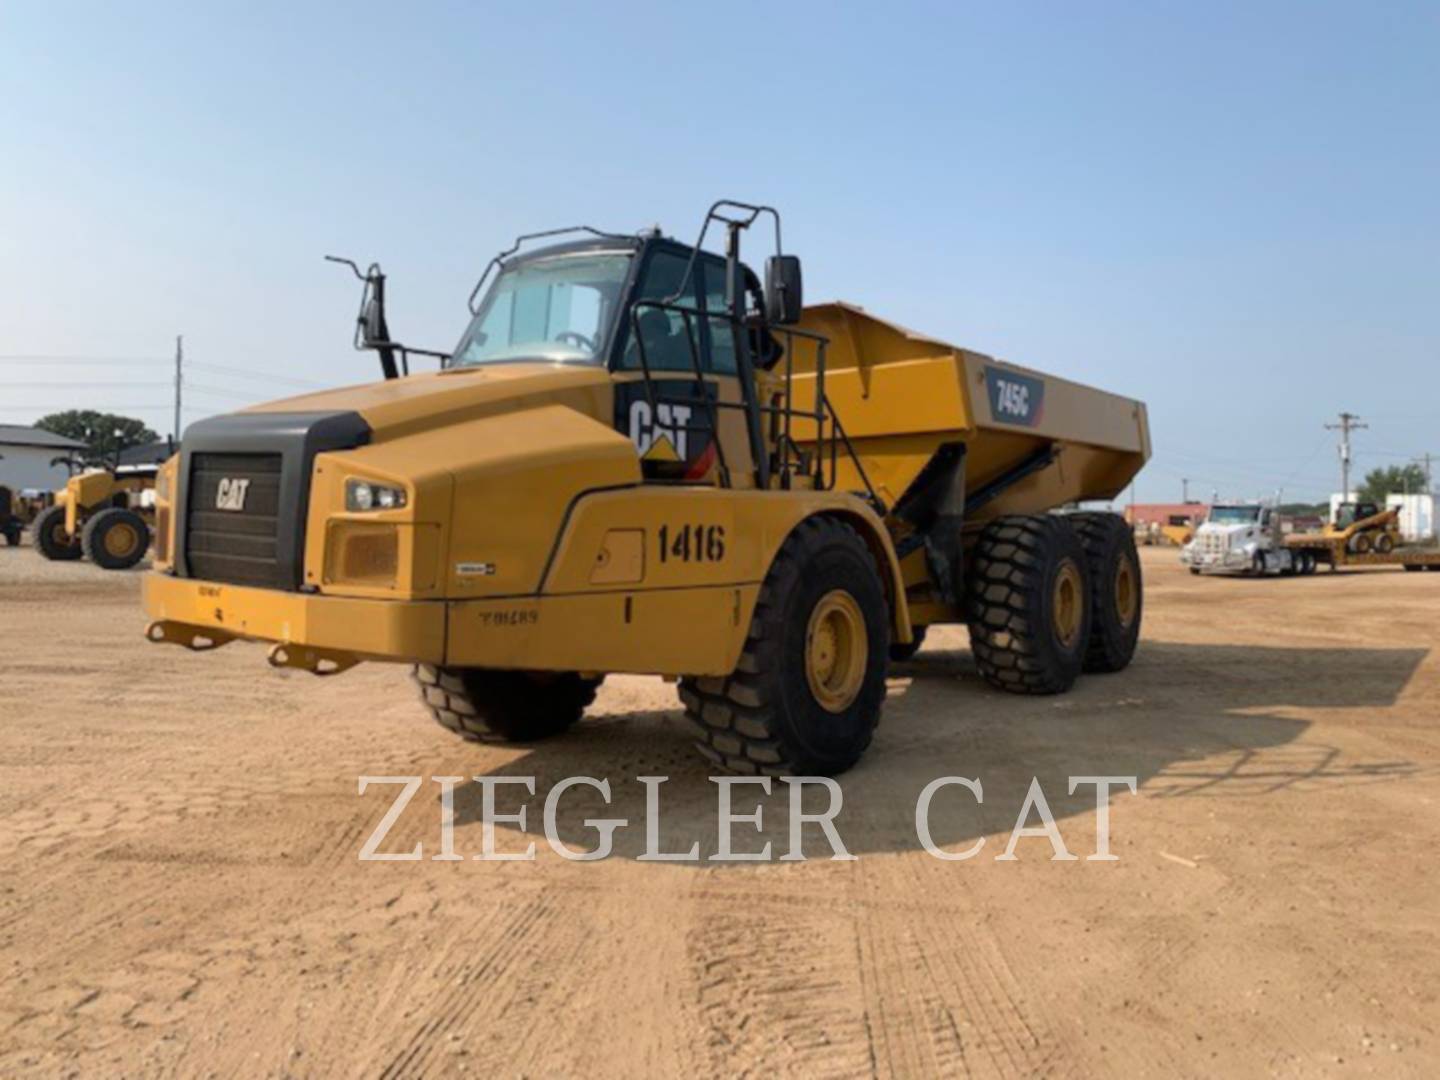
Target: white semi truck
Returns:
[[1243, 538]]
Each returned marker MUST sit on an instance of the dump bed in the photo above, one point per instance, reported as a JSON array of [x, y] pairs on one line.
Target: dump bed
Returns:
[[1032, 441]]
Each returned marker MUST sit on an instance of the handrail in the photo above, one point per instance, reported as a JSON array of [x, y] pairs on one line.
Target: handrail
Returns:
[[790, 455], [520, 242]]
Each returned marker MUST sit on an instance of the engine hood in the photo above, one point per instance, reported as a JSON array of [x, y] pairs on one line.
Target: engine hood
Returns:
[[416, 403], [1230, 534]]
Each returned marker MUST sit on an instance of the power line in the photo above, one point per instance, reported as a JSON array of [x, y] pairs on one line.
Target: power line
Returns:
[[68, 406], [222, 391], [259, 376], [40, 358], [86, 385]]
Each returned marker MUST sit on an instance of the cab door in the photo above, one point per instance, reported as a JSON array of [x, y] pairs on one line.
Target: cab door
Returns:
[[674, 425]]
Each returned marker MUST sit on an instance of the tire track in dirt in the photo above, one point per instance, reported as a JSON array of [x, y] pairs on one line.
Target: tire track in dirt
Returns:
[[979, 1019], [777, 994], [504, 979]]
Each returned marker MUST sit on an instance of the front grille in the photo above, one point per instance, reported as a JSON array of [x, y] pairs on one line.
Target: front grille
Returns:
[[229, 537], [1214, 543]]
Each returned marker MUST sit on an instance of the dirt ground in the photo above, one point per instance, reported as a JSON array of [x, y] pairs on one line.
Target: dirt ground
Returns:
[[182, 892]]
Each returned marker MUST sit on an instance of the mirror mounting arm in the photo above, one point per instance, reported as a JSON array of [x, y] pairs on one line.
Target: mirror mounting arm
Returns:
[[372, 331]]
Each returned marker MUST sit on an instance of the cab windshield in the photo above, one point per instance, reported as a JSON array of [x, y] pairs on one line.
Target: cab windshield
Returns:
[[1234, 515], [557, 308]]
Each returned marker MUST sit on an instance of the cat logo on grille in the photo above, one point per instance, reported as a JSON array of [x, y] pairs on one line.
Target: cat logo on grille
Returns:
[[230, 495]]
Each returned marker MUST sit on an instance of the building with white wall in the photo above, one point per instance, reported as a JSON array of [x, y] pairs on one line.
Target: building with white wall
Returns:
[[26, 455]]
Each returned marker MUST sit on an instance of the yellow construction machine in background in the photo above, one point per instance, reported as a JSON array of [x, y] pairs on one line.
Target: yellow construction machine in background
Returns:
[[101, 515]]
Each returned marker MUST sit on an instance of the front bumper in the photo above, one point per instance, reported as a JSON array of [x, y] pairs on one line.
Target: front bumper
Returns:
[[1218, 561], [601, 631], [369, 629]]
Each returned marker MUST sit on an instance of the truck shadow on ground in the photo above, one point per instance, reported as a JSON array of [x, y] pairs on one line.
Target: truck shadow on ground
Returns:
[[1184, 721]]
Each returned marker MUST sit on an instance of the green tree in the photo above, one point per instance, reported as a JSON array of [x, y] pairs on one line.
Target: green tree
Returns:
[[105, 433], [1392, 480]]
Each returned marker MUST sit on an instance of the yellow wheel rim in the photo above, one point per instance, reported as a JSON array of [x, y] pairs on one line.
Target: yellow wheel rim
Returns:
[[836, 650], [58, 535], [120, 540], [1068, 603], [1126, 594]]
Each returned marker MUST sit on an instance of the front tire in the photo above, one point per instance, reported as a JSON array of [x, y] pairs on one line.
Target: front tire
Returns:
[[1384, 544], [115, 539], [487, 705], [1117, 593], [806, 695], [1030, 604], [50, 537]]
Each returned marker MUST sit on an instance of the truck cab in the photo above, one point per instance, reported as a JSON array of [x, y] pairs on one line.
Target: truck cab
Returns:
[[1238, 538]]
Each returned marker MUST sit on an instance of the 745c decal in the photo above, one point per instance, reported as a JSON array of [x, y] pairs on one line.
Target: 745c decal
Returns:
[[692, 543]]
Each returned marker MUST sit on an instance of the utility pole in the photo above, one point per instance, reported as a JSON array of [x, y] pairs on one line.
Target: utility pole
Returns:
[[1348, 422], [179, 360], [1184, 490], [1424, 461]]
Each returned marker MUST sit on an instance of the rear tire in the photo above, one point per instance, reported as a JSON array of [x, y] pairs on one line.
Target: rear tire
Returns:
[[1361, 544], [1029, 604], [12, 533], [900, 653], [115, 539], [806, 695], [487, 705], [1117, 593], [51, 539]]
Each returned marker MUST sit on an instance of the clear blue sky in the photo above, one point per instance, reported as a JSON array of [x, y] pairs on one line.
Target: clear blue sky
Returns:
[[1228, 210]]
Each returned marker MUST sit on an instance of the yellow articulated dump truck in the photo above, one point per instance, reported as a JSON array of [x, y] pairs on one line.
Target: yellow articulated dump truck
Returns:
[[644, 457]]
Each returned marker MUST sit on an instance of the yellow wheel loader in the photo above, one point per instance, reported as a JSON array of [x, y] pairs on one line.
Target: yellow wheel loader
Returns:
[[100, 515], [644, 457]]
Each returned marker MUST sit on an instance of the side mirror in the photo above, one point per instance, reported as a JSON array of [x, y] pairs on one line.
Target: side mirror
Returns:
[[373, 330], [784, 296]]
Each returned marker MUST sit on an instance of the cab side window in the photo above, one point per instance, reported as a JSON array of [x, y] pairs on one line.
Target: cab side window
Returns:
[[722, 331], [667, 343]]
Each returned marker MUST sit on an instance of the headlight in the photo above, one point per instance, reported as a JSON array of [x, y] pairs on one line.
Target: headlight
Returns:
[[363, 495]]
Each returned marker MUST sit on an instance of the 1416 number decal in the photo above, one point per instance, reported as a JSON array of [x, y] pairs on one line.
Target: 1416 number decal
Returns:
[[692, 543]]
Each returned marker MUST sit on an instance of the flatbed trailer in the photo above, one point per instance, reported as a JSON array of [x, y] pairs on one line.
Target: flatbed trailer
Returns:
[[1333, 551]]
